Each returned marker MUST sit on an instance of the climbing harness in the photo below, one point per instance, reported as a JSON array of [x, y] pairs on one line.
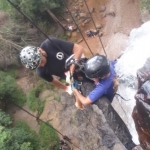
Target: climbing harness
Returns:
[[80, 65], [73, 62]]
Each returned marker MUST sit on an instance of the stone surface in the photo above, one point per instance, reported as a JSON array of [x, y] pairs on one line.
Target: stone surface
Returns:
[[94, 128], [142, 109]]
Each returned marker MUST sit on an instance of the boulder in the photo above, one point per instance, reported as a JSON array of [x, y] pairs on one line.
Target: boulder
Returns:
[[141, 111]]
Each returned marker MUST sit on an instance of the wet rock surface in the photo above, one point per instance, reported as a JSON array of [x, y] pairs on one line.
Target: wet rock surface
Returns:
[[141, 112]]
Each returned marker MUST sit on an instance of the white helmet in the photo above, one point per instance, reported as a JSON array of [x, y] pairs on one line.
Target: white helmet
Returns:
[[30, 57]]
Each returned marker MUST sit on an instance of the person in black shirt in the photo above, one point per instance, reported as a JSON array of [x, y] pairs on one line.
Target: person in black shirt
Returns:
[[49, 59]]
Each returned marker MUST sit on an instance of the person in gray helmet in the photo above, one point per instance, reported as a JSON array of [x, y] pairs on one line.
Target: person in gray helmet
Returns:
[[49, 59], [99, 69]]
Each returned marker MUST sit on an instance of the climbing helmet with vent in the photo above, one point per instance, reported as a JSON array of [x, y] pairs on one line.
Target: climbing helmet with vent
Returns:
[[97, 66], [30, 57]]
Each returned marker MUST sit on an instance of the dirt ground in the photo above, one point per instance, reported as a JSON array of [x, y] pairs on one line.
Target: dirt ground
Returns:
[[116, 28], [116, 32]]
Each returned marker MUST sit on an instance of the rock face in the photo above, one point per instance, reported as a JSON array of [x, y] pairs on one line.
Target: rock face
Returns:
[[141, 112], [89, 127], [97, 127]]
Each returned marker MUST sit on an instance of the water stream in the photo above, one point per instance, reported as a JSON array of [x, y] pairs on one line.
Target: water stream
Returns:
[[134, 57]]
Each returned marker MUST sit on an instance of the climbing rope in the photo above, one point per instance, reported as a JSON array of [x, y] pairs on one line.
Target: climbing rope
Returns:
[[76, 25], [37, 118], [122, 97], [95, 27], [80, 30], [18, 9]]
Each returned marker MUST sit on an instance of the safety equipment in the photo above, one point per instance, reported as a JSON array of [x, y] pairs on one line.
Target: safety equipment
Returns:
[[69, 77], [30, 57], [97, 66], [69, 90], [75, 84]]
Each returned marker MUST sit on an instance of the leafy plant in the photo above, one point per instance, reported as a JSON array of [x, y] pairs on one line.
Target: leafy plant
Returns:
[[36, 10], [9, 90], [12, 72], [4, 5], [41, 106], [45, 85], [62, 36], [146, 5], [20, 137], [5, 119], [32, 98], [48, 137], [24, 133]]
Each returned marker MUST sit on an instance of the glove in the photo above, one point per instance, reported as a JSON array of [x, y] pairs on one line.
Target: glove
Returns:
[[75, 84], [69, 77], [69, 90]]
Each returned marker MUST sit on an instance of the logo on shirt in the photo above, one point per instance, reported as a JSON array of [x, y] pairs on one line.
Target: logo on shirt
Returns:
[[60, 55]]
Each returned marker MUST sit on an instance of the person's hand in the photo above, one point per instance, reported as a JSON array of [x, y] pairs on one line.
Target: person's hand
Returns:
[[69, 90], [69, 77], [79, 107]]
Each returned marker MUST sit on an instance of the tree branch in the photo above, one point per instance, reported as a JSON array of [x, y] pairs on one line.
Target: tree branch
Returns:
[[15, 45]]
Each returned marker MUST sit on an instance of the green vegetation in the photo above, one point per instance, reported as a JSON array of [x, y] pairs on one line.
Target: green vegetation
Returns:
[[17, 33], [146, 5], [12, 72], [32, 98], [4, 5], [5, 119], [48, 137], [63, 37], [35, 11], [22, 132], [20, 137], [45, 85], [9, 90], [41, 106]]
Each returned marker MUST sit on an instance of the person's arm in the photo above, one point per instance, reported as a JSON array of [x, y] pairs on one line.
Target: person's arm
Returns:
[[78, 104], [84, 100], [78, 51], [58, 84]]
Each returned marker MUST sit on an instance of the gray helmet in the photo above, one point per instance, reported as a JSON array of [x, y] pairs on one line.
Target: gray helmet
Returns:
[[30, 57], [97, 66]]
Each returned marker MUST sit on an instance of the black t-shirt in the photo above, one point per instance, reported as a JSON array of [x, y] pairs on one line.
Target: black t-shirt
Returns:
[[57, 52]]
